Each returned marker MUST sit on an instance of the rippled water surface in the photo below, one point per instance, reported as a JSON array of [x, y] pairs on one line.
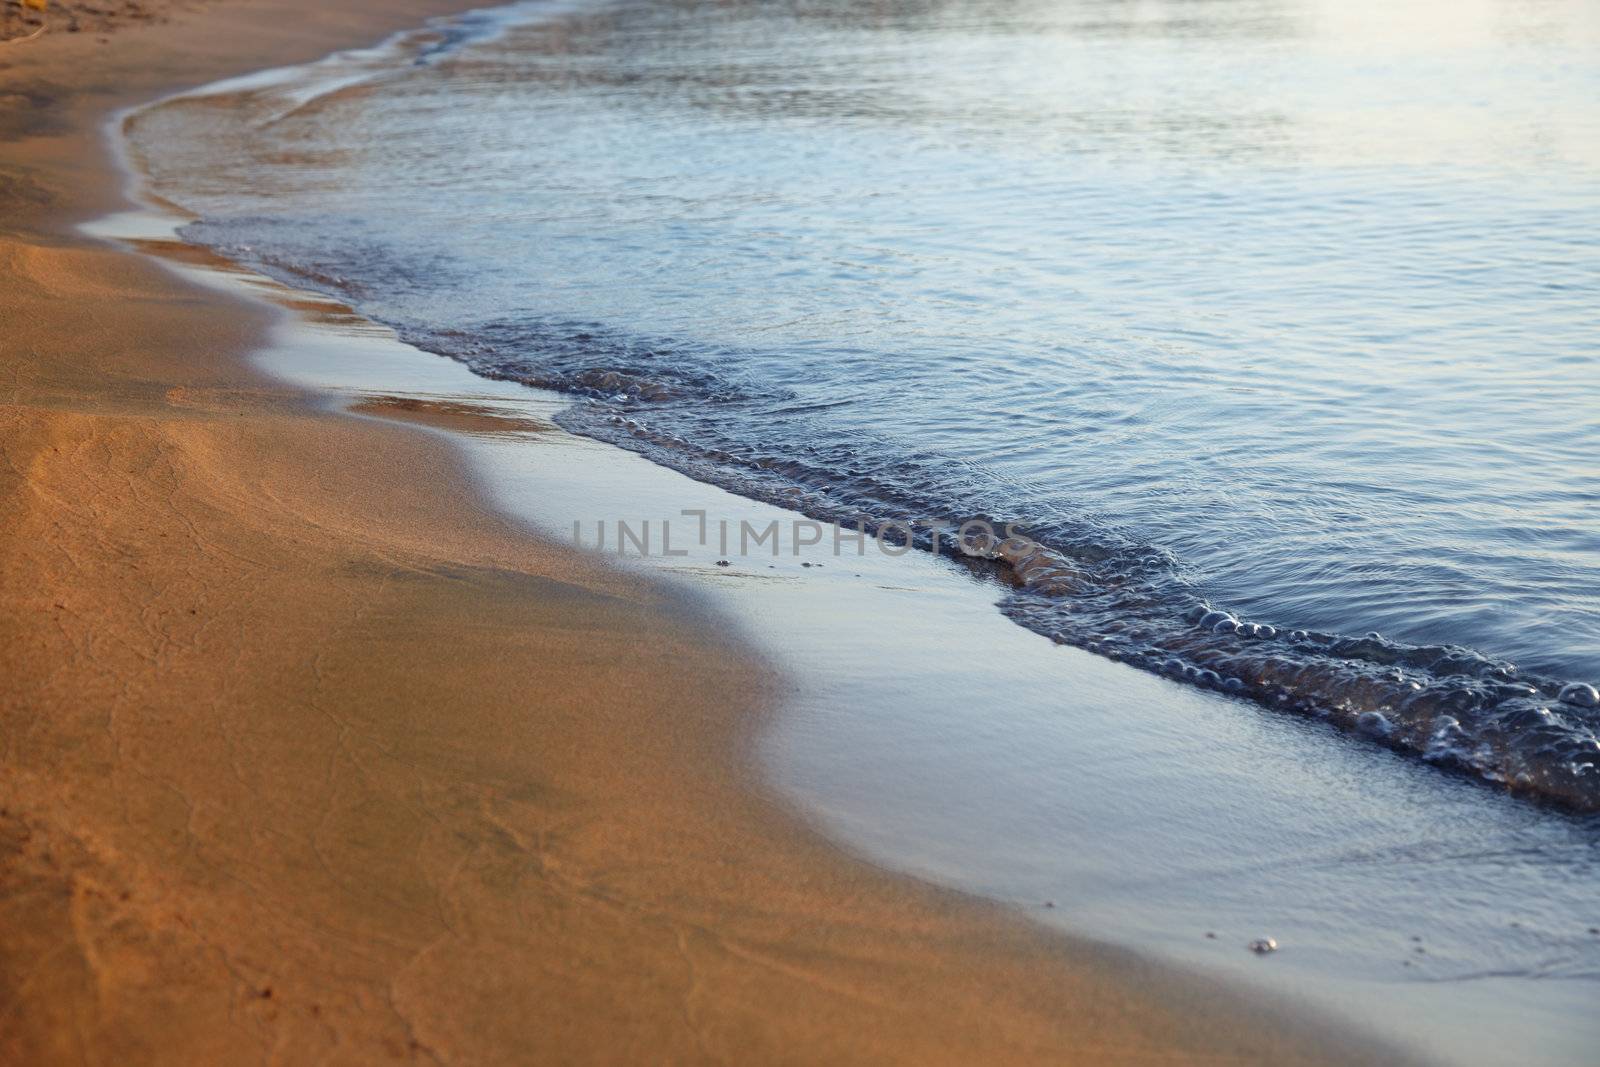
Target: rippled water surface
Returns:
[[1276, 313]]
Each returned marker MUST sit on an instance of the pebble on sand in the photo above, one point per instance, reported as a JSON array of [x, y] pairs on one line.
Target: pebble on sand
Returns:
[[1263, 945]]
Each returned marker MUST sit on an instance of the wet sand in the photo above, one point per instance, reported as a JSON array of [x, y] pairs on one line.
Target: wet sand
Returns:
[[307, 756]]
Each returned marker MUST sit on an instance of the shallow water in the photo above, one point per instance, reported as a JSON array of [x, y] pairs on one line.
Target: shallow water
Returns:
[[1289, 310]]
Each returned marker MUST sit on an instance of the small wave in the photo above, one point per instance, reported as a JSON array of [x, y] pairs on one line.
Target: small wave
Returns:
[[1075, 580], [1451, 706], [279, 93]]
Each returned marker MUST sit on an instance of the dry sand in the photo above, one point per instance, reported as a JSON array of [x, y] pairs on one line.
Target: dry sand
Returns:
[[307, 757]]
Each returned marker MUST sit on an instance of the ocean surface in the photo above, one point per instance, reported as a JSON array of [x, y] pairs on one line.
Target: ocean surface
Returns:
[[1274, 325]]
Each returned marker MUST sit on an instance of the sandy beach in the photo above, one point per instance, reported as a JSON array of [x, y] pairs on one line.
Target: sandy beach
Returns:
[[308, 756]]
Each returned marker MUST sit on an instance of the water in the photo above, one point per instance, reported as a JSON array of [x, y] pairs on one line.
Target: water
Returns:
[[1277, 312]]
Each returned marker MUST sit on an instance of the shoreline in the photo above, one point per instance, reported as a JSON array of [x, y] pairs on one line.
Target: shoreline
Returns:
[[316, 756]]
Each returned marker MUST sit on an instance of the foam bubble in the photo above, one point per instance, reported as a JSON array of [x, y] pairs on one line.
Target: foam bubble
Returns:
[[1581, 695]]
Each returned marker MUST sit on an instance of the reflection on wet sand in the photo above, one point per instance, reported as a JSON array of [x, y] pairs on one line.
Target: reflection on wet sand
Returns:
[[449, 414]]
